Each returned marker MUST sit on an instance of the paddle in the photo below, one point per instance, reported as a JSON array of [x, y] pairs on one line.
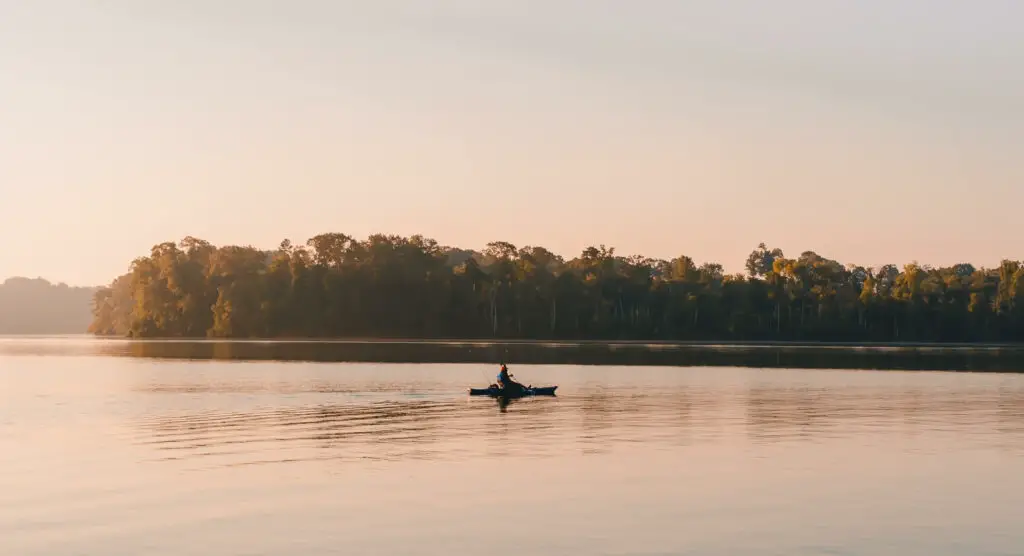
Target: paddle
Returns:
[[522, 387]]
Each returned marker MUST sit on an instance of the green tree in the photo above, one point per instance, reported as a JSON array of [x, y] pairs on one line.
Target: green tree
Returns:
[[335, 285]]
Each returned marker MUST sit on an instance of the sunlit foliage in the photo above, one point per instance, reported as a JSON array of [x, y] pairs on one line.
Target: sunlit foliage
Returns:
[[389, 286]]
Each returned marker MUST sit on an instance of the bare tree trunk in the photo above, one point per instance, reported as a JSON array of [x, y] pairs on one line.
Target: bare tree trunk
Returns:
[[494, 312], [554, 314]]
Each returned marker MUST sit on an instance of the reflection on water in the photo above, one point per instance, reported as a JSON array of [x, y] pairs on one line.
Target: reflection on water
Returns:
[[812, 356], [357, 429], [384, 420], [124, 456]]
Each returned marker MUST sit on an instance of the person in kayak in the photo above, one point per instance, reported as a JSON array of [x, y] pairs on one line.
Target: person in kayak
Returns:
[[505, 381]]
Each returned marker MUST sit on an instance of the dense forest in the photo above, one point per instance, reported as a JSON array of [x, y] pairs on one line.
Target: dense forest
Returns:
[[389, 286], [35, 306]]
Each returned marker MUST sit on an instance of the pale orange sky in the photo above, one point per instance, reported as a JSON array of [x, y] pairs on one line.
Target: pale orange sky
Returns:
[[871, 132]]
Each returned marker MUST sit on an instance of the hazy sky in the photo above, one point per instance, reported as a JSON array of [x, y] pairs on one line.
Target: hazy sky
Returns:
[[870, 131]]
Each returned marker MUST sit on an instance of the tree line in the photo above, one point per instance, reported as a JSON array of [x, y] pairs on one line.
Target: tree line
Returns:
[[389, 286], [36, 306]]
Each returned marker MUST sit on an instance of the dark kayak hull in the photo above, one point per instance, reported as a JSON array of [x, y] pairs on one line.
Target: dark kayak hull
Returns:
[[496, 392]]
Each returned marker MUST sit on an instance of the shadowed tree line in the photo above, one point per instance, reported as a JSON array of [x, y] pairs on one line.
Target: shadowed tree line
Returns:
[[391, 286]]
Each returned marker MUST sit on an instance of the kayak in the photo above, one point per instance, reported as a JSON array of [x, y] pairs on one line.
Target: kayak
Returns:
[[496, 392]]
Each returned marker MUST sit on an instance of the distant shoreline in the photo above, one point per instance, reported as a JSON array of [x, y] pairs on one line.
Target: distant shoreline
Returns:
[[754, 344], [1007, 358], [709, 344]]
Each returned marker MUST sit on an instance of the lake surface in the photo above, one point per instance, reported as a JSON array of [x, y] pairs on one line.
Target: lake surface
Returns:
[[121, 455]]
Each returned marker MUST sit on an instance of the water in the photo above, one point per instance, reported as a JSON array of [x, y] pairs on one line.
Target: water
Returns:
[[127, 455]]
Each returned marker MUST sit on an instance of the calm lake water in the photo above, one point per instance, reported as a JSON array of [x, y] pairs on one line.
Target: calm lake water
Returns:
[[120, 455]]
